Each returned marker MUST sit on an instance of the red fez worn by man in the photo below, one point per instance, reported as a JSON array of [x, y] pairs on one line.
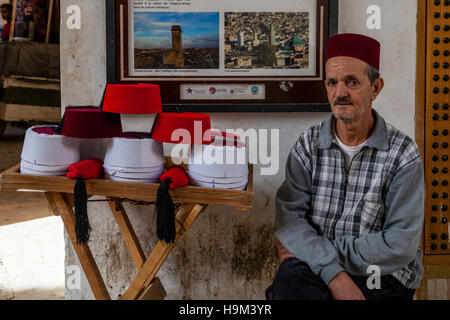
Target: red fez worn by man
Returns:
[[356, 46], [353, 194]]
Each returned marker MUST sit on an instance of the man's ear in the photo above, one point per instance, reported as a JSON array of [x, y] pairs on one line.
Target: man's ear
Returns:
[[377, 87]]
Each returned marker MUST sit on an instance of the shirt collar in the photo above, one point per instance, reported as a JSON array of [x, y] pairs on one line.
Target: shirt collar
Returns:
[[377, 140]]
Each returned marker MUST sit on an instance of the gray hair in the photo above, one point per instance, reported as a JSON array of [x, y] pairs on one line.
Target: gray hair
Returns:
[[373, 73]]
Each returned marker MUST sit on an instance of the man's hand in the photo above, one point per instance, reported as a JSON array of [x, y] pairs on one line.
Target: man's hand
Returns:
[[342, 287], [283, 253]]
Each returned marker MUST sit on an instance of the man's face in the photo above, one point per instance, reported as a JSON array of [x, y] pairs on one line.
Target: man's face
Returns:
[[348, 88], [6, 14]]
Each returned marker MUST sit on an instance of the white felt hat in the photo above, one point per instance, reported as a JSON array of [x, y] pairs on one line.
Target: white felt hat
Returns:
[[49, 149], [39, 167], [135, 175], [134, 153], [219, 161], [157, 168], [42, 173], [108, 177], [200, 177], [219, 185]]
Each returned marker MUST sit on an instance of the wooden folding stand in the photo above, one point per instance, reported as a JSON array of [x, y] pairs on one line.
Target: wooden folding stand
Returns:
[[192, 201]]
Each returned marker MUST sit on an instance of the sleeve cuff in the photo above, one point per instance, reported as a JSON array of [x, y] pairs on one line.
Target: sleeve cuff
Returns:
[[328, 272]]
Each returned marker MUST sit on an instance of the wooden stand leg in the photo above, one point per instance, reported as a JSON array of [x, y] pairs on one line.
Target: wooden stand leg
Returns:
[[154, 292], [128, 234], [186, 215], [62, 203]]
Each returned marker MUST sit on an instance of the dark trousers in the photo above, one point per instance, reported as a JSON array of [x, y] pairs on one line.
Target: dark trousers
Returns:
[[294, 280]]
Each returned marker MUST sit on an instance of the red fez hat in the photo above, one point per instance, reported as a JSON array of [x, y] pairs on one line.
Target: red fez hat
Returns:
[[132, 98], [356, 46], [166, 123], [90, 123]]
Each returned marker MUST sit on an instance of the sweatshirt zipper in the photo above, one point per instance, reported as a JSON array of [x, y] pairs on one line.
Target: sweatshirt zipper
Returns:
[[345, 184]]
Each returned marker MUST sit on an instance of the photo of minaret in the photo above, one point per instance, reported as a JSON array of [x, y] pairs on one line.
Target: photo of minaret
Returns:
[[176, 40], [176, 56]]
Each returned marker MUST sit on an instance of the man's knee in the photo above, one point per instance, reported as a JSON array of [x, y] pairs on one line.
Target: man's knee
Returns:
[[295, 280]]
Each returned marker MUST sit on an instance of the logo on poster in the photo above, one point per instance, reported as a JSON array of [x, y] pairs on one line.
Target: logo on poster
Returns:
[[212, 90], [255, 90], [189, 91]]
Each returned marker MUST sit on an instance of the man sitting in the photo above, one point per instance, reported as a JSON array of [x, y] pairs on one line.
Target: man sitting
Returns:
[[353, 198]]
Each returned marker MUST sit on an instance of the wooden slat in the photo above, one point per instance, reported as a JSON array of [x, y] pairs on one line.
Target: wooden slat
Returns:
[[19, 112], [431, 292], [52, 204], [448, 289], [13, 20], [186, 215], [155, 291], [128, 234], [11, 170], [421, 29], [438, 272], [83, 251], [436, 260], [441, 289], [422, 292], [250, 178], [242, 200], [420, 76], [43, 84], [4, 186], [49, 21]]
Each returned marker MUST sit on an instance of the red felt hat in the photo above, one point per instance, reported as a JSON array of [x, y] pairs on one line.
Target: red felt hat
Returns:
[[132, 98], [356, 46], [195, 123], [90, 123], [51, 131]]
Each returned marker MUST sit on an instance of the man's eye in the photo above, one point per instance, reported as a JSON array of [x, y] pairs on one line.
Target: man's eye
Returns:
[[331, 83], [353, 83]]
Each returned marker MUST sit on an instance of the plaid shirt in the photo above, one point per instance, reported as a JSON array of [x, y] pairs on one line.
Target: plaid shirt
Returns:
[[372, 214]]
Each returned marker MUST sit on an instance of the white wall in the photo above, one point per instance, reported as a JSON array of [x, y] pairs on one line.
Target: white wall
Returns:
[[227, 254]]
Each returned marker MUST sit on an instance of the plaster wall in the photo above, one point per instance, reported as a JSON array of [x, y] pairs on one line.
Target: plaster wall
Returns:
[[227, 254]]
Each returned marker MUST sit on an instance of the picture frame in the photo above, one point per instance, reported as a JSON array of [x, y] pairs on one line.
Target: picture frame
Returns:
[[230, 73]]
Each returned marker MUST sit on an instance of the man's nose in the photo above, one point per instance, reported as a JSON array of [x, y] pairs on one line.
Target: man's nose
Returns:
[[341, 90]]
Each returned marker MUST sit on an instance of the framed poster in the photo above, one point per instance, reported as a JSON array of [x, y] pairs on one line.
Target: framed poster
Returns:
[[223, 55]]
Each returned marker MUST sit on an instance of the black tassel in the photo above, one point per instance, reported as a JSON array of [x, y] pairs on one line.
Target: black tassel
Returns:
[[82, 227], [165, 213]]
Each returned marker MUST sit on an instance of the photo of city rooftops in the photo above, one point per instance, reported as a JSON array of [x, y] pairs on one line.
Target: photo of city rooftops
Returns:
[[176, 40], [266, 40]]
